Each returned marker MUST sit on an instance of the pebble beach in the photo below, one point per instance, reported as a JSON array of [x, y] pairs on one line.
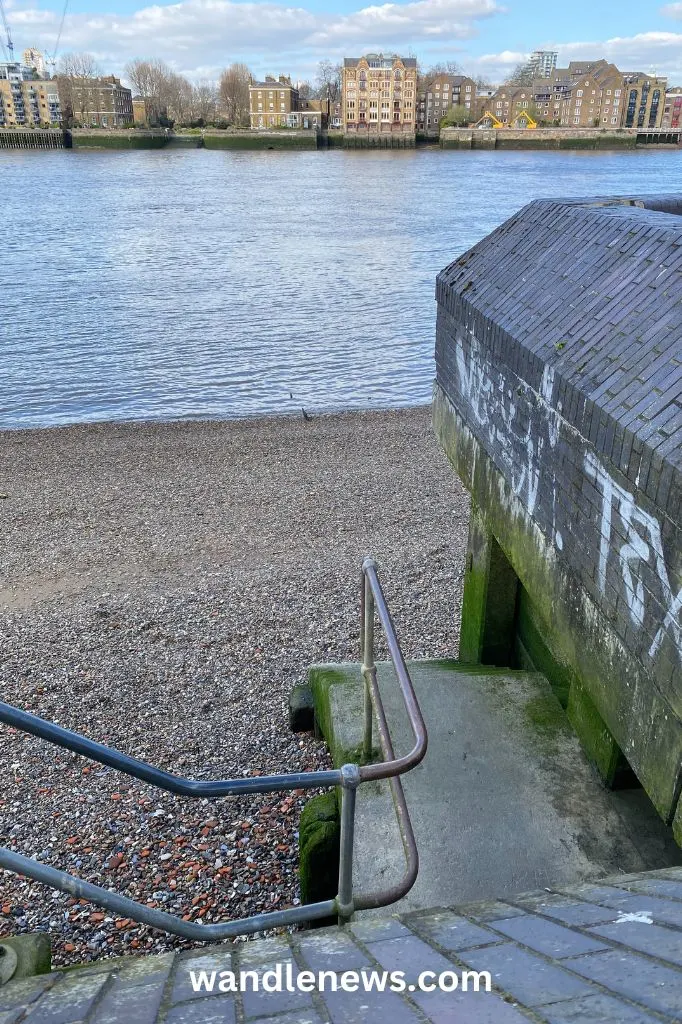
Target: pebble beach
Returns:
[[163, 586]]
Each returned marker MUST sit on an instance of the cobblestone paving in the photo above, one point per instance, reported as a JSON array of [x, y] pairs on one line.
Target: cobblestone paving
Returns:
[[609, 951]]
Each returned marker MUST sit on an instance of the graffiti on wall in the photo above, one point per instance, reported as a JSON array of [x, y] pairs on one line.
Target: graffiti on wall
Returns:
[[520, 428]]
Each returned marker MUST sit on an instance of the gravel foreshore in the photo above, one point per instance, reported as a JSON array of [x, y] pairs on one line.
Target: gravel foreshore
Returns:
[[162, 587]]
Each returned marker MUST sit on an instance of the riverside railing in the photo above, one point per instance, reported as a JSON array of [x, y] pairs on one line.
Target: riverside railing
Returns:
[[348, 778]]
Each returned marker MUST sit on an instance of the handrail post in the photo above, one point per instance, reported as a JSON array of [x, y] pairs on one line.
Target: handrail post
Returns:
[[368, 665], [350, 781]]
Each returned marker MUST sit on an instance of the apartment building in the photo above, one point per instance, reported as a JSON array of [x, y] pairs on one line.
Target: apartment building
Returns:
[[96, 102], [26, 100], [379, 94], [35, 59], [586, 94], [541, 64], [595, 99], [439, 94], [644, 101]]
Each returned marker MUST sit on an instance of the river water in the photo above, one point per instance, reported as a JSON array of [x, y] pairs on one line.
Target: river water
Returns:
[[162, 285]]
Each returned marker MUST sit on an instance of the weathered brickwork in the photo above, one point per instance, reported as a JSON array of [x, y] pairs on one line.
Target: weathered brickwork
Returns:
[[559, 350]]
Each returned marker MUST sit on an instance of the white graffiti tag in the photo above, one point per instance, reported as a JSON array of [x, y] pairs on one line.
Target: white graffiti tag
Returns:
[[643, 548]]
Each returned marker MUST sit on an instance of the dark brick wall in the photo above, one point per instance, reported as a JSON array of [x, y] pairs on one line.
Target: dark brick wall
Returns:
[[559, 344]]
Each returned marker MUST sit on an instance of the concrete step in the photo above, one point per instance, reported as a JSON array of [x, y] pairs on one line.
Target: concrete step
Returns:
[[504, 801], [610, 952]]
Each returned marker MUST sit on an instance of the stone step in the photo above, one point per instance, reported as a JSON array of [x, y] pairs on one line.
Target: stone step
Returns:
[[505, 799]]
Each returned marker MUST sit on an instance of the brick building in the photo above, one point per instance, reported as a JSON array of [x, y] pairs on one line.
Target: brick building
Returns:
[[584, 95], [96, 102], [379, 94], [644, 101], [26, 100], [276, 103], [672, 110], [439, 94]]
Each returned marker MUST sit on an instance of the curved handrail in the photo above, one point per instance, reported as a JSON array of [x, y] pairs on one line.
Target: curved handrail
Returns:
[[348, 777]]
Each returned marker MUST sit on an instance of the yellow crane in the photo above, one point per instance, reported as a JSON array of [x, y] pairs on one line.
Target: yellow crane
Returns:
[[489, 121]]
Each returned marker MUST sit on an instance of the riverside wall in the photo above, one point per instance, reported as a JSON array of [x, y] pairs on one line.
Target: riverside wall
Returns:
[[557, 402], [553, 138], [135, 138]]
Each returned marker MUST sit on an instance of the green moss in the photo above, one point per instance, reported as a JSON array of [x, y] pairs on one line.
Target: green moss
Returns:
[[596, 740], [637, 717], [338, 699], [33, 953], [319, 839]]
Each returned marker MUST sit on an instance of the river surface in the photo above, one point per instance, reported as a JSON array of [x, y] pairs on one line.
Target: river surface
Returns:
[[164, 285]]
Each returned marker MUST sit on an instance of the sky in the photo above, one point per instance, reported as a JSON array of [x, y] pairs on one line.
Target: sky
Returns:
[[484, 37]]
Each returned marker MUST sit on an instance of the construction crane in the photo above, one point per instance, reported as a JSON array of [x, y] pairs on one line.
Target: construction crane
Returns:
[[52, 60], [8, 46]]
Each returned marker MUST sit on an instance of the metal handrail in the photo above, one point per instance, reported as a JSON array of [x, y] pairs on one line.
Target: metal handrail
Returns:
[[348, 778]]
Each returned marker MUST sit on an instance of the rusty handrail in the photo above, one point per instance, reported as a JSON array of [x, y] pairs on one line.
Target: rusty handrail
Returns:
[[348, 778]]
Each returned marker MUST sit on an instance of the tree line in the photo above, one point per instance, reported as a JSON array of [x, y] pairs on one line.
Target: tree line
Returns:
[[172, 99]]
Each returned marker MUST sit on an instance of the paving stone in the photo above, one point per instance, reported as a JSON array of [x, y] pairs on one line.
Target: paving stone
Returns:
[[260, 1002], [653, 985], [451, 931], [409, 955], [69, 1000], [332, 951], [531, 980], [133, 1000], [208, 962], [262, 951], [210, 1010], [546, 937], [489, 910], [659, 887], [597, 1008], [11, 1016], [26, 991], [662, 943], [467, 1008], [296, 1017], [576, 913], [372, 929], [363, 1007]]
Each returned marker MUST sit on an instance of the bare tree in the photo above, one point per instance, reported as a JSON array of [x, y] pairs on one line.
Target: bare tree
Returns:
[[151, 79], [77, 75], [329, 81], [234, 93], [204, 101], [521, 75], [306, 91]]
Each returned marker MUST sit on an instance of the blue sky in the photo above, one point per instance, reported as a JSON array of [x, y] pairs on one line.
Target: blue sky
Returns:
[[485, 37]]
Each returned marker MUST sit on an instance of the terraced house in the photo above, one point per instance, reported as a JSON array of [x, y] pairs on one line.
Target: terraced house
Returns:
[[379, 94], [26, 100]]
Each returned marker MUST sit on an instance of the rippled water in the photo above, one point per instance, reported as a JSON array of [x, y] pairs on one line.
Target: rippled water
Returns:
[[201, 284]]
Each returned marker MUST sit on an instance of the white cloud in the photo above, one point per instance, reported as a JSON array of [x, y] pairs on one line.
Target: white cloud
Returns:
[[650, 52], [672, 11], [198, 37], [210, 33]]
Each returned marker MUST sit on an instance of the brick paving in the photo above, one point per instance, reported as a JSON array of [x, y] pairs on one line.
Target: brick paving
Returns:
[[608, 952]]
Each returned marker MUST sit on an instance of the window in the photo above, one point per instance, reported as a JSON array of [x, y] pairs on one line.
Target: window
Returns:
[[616, 92], [576, 120], [579, 92], [614, 120], [468, 88]]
